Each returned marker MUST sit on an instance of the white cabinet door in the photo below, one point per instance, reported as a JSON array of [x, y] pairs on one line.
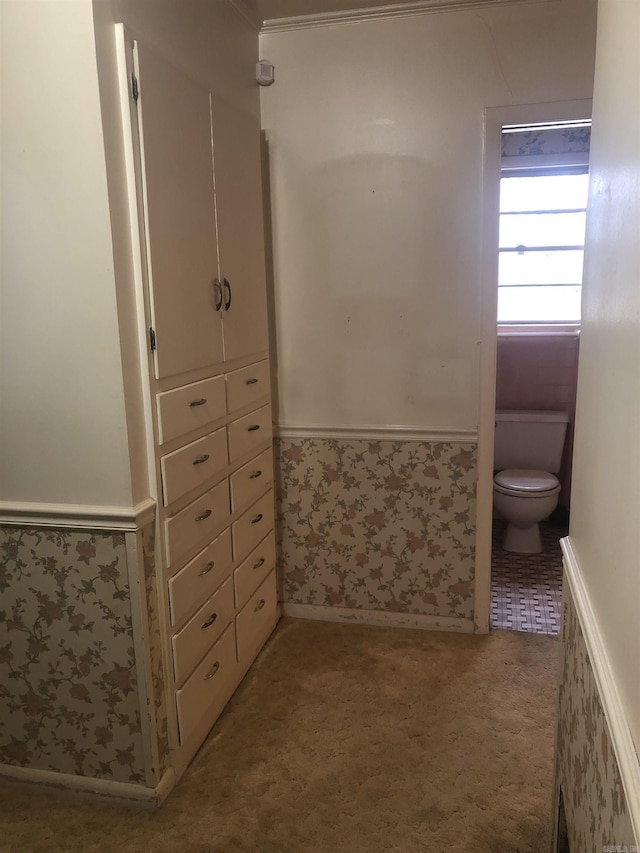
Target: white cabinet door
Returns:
[[177, 165], [238, 181]]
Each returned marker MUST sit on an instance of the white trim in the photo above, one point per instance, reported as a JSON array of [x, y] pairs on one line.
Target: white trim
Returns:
[[102, 789], [374, 13], [380, 618], [623, 745], [77, 515], [449, 435]]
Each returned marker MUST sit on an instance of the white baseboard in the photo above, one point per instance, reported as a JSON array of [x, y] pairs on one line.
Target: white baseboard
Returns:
[[103, 790], [623, 746], [378, 617]]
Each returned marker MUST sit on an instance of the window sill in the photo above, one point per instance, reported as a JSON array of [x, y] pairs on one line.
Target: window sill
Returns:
[[506, 330]]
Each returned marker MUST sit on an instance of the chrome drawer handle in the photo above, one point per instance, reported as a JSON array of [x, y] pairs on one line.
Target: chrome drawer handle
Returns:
[[206, 569], [200, 459], [209, 621], [257, 518], [255, 475], [199, 402], [251, 382], [259, 563], [203, 515], [212, 671], [259, 605], [253, 427]]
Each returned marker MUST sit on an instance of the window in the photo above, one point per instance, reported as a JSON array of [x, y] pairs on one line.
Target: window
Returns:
[[542, 224]]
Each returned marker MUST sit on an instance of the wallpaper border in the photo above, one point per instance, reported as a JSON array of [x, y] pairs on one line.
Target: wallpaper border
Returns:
[[615, 716]]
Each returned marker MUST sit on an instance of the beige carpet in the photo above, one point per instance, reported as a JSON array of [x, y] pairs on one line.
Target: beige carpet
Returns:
[[348, 738]]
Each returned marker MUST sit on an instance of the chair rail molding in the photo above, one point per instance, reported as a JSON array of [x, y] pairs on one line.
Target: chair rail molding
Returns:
[[77, 516]]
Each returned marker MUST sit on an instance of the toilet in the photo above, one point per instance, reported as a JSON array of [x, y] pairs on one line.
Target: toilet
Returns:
[[527, 455]]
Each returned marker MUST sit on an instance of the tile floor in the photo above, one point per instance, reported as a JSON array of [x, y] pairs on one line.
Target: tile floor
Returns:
[[526, 589]]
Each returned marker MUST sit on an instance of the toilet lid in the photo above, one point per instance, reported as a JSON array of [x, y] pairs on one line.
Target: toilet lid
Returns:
[[518, 479]]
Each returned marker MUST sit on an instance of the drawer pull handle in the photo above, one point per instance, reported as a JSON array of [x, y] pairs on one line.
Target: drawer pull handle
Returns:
[[203, 515], [218, 291], [257, 518], [259, 563], [200, 459], [251, 381], [199, 402], [255, 475], [253, 427], [212, 671], [259, 605], [206, 569], [209, 621]]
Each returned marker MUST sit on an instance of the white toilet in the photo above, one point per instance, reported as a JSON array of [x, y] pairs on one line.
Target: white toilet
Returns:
[[527, 454]]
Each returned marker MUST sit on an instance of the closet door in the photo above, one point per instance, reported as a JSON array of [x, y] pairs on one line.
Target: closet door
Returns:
[[238, 177], [177, 166]]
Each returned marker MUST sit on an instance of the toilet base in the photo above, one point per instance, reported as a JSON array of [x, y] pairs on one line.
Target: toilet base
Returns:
[[523, 540]]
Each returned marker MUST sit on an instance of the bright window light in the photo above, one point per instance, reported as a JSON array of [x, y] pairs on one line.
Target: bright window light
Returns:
[[542, 225]]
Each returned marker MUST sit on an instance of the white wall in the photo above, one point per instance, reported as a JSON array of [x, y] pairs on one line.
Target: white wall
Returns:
[[376, 135], [606, 483], [63, 432]]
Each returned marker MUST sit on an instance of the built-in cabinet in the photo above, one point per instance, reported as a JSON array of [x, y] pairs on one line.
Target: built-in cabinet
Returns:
[[199, 209]]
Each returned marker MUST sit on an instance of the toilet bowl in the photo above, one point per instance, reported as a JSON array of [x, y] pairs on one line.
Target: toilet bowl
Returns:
[[524, 498]]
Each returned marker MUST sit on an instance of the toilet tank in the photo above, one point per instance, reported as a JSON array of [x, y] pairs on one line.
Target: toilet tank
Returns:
[[533, 440]]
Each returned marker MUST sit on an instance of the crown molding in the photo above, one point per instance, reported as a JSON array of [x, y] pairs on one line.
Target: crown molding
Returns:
[[374, 13]]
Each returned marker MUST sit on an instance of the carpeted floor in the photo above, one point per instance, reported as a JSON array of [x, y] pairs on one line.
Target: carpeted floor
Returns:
[[348, 739]]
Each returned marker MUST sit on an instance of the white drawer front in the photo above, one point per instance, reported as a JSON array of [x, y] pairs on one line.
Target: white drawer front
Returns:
[[248, 385], [252, 526], [251, 479], [256, 620], [248, 576], [208, 690], [193, 465], [200, 632], [249, 432], [197, 522], [190, 407], [194, 583]]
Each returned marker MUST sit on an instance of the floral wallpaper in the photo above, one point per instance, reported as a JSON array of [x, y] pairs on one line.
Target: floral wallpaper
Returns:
[[67, 668], [158, 698], [377, 525], [586, 767], [567, 140]]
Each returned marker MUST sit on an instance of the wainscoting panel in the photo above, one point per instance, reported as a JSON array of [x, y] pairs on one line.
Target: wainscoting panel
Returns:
[[377, 525]]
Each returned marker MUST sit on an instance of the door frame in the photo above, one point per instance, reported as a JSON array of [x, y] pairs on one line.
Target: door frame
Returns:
[[494, 120]]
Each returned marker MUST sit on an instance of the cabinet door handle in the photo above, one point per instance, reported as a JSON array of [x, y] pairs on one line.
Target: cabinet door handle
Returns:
[[206, 569], [227, 286], [259, 563], [200, 459], [209, 621], [199, 402], [257, 518], [252, 381], [203, 515], [253, 427], [259, 605], [212, 671], [217, 287], [255, 475]]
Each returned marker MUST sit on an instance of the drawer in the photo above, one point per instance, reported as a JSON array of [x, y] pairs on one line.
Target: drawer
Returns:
[[247, 386], [193, 465], [199, 578], [205, 694], [256, 620], [197, 522], [251, 479], [190, 407], [249, 432], [200, 632], [252, 526], [248, 576]]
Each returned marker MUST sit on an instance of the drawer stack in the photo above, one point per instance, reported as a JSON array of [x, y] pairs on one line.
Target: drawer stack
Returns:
[[216, 468]]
